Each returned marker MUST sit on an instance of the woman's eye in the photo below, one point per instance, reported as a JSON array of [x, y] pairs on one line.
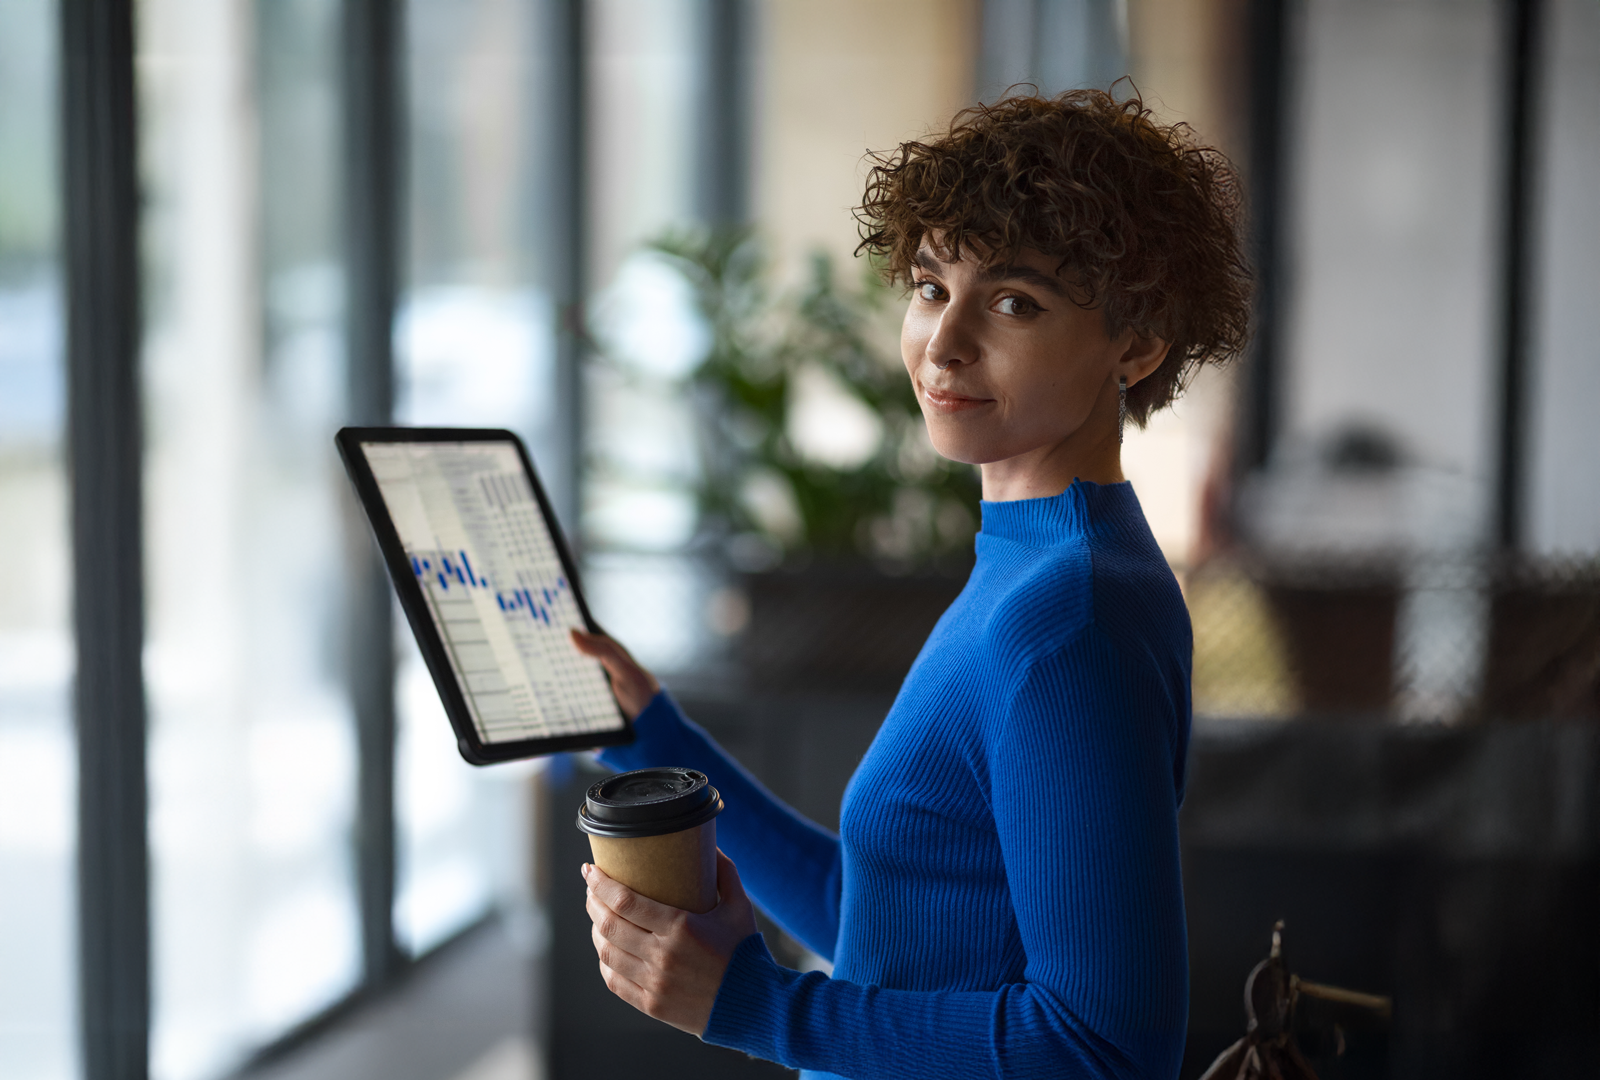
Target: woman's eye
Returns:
[[927, 290], [1017, 305]]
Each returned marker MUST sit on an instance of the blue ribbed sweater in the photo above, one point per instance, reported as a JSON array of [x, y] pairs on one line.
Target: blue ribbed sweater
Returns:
[[1003, 898]]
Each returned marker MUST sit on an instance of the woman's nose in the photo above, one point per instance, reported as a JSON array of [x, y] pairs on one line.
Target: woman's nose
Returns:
[[951, 343]]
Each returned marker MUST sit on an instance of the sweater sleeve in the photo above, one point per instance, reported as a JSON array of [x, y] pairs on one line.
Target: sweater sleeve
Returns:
[[1080, 784], [788, 864]]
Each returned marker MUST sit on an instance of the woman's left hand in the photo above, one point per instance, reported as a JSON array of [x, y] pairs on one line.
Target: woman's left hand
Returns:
[[665, 962]]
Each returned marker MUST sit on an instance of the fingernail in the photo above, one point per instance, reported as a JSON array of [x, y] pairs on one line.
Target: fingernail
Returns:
[[584, 870]]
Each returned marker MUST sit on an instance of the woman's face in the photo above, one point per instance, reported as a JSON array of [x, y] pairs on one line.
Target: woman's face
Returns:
[[1010, 372]]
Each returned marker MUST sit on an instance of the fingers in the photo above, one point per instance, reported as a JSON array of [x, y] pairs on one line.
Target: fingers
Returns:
[[592, 644], [734, 914], [611, 927], [729, 886], [620, 946], [633, 685], [641, 911], [666, 963], [602, 648], [624, 987], [614, 957]]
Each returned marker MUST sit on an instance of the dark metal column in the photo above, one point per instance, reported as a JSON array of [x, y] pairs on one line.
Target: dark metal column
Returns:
[[724, 172], [560, 246], [567, 241], [100, 214], [1523, 18], [373, 43], [1268, 113]]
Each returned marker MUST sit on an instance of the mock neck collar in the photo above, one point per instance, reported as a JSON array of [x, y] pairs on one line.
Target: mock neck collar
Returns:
[[1055, 520]]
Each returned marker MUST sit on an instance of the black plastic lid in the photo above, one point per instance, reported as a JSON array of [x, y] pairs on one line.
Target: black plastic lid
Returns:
[[649, 802]]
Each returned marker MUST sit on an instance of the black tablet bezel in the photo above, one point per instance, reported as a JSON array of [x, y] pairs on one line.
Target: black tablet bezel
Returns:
[[415, 605]]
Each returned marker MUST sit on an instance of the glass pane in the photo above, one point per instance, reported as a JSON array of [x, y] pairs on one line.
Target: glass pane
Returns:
[[475, 347], [642, 459], [1396, 221], [37, 755], [252, 758]]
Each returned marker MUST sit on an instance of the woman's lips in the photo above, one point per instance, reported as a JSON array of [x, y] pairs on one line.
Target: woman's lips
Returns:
[[948, 402]]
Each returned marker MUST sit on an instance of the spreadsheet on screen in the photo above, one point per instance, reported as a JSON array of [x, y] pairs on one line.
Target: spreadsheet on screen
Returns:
[[476, 540]]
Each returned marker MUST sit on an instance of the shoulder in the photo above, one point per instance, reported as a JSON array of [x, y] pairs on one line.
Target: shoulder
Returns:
[[1104, 603], [1137, 603], [1110, 576], [1045, 599]]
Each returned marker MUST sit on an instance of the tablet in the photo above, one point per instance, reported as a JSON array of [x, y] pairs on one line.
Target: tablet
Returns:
[[488, 586]]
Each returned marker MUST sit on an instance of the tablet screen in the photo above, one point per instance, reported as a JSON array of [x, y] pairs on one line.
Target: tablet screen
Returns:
[[489, 571]]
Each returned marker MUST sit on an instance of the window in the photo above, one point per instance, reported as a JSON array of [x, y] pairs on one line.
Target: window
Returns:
[[642, 459], [474, 347], [252, 754], [38, 1024]]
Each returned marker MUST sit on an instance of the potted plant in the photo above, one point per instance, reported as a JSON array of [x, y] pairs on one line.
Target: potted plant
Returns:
[[847, 533]]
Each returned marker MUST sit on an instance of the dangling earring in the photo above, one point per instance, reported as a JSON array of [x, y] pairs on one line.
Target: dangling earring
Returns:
[[1122, 407]]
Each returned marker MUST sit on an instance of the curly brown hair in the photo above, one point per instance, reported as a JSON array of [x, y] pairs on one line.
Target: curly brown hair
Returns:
[[1145, 221]]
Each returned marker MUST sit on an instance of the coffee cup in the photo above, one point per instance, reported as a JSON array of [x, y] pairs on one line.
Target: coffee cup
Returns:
[[655, 830]]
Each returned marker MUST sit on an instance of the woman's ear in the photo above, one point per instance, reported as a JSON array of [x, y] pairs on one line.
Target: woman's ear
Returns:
[[1140, 356]]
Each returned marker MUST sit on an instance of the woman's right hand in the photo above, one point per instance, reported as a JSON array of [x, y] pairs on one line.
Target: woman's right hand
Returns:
[[633, 685]]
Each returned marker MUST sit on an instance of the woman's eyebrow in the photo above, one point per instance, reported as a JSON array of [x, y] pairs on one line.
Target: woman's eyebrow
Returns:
[[1048, 282], [988, 275]]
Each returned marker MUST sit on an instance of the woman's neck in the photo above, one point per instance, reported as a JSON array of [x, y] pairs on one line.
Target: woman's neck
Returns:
[[1088, 454]]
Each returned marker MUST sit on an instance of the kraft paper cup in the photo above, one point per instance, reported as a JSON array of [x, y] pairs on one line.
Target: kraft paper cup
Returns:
[[655, 831]]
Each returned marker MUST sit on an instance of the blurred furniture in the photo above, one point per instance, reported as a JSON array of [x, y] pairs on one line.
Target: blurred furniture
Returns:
[[1544, 641], [844, 627], [1337, 621], [1454, 869]]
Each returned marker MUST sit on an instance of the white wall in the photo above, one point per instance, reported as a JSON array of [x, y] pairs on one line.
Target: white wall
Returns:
[[1564, 450], [838, 78]]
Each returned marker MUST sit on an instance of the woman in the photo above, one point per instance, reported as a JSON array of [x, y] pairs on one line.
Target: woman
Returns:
[[1004, 895]]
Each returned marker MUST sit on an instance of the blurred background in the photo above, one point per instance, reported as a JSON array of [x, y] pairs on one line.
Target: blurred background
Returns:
[[235, 837]]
